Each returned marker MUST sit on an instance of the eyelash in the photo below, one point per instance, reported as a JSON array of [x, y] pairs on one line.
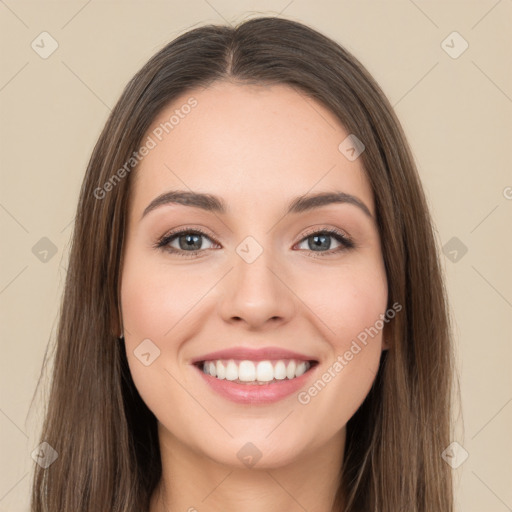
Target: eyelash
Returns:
[[346, 242]]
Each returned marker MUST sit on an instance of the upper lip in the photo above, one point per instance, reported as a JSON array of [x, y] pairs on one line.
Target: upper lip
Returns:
[[253, 354]]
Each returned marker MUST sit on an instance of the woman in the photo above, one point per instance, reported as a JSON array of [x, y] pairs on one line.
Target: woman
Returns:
[[257, 370]]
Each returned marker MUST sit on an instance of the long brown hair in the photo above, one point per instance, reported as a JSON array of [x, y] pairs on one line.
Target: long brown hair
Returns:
[[105, 436]]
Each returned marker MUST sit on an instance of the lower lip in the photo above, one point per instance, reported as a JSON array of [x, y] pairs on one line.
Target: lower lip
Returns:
[[256, 393]]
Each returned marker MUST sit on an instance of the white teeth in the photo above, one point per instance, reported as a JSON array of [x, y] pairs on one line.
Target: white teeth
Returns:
[[231, 371], [280, 371], [256, 371], [212, 368], [247, 371], [301, 368], [264, 371], [221, 371], [290, 369]]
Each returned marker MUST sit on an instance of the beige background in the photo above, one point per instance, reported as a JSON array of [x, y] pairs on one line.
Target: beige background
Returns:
[[455, 111]]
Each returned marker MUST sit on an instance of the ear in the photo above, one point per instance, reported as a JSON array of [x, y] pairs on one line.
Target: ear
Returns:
[[385, 344]]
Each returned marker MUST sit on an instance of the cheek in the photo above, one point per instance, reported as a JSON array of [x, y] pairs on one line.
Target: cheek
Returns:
[[154, 303], [346, 301], [155, 298], [163, 303], [349, 305]]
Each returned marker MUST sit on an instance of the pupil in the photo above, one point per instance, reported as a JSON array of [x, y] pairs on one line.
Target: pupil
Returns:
[[190, 241], [319, 244]]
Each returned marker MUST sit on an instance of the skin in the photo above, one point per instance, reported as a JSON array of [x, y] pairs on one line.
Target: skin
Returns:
[[257, 147]]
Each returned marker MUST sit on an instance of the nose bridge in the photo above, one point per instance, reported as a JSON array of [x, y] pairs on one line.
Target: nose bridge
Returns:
[[255, 292]]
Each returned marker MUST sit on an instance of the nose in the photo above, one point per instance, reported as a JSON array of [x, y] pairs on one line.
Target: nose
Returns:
[[257, 294]]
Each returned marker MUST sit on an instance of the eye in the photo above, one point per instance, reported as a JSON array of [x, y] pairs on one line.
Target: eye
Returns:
[[189, 242], [317, 241]]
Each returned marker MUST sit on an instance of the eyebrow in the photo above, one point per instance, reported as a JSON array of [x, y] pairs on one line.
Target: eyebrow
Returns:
[[211, 203]]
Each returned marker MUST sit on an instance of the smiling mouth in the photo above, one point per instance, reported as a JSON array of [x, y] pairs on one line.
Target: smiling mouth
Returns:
[[261, 373]]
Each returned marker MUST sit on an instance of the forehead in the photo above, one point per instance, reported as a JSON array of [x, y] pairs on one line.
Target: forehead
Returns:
[[247, 143]]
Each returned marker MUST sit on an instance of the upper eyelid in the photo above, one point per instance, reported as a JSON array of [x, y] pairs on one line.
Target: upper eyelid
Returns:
[[181, 231], [331, 231]]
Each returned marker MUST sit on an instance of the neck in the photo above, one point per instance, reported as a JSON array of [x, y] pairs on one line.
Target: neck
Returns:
[[194, 482]]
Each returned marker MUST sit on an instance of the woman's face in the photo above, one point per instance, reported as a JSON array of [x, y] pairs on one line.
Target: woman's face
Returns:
[[264, 275]]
